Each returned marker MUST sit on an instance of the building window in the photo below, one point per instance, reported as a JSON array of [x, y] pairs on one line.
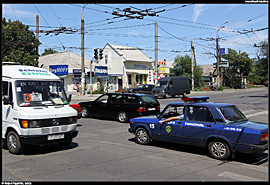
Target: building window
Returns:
[[106, 59]]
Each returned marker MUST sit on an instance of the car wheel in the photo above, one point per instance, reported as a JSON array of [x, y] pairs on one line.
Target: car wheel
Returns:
[[13, 143], [85, 112], [141, 136], [219, 149], [122, 117]]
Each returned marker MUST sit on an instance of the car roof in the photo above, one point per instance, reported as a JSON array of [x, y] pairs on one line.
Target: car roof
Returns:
[[204, 104], [128, 94]]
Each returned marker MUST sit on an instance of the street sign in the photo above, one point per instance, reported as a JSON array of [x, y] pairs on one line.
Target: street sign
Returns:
[[221, 51]]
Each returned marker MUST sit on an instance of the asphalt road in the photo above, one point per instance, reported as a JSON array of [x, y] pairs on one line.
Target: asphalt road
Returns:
[[105, 151]]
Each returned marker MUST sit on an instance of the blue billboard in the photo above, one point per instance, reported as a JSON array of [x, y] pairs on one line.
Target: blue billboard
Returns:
[[59, 70], [101, 70]]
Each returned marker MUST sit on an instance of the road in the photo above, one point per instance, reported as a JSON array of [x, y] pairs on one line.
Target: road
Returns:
[[105, 151]]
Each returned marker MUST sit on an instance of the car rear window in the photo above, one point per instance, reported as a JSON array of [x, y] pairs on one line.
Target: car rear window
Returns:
[[149, 99]]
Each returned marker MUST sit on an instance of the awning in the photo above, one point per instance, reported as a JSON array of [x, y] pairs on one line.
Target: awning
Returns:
[[137, 71]]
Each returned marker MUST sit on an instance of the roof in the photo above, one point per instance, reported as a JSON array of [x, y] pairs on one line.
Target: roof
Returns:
[[204, 104], [130, 53], [65, 58], [27, 72]]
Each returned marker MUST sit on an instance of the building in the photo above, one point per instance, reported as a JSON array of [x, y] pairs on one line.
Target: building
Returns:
[[127, 67], [67, 65]]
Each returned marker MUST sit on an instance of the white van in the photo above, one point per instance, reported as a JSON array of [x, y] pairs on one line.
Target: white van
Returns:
[[35, 109]]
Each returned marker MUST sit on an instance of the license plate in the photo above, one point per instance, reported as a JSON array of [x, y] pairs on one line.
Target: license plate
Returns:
[[155, 94], [54, 137], [150, 109]]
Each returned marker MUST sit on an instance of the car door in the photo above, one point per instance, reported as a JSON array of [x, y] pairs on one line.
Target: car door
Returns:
[[198, 125], [100, 108], [171, 130], [115, 105]]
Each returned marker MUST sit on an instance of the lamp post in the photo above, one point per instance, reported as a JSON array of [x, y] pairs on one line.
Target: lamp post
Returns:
[[218, 79]]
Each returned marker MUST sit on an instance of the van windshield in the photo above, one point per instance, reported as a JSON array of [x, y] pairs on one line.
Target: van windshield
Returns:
[[162, 83], [40, 93]]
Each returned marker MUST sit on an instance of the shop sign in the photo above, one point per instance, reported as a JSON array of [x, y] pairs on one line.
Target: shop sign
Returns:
[[59, 70], [101, 71]]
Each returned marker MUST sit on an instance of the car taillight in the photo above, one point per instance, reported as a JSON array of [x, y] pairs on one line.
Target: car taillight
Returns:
[[264, 136], [79, 109], [158, 107], [141, 109]]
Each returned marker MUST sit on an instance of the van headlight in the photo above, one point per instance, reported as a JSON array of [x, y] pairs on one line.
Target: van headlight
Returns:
[[29, 123]]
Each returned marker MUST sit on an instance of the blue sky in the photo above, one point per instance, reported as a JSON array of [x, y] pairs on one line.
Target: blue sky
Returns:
[[177, 26]]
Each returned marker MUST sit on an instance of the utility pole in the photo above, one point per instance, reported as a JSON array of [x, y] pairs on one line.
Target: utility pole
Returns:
[[217, 48], [37, 33], [82, 57], [156, 52], [192, 64]]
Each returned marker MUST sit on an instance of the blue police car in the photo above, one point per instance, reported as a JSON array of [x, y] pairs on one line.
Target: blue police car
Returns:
[[221, 127]]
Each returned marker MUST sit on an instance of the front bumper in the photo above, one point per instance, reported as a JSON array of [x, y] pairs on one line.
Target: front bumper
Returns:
[[43, 139]]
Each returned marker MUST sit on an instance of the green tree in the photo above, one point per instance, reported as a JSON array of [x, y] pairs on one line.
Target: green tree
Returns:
[[182, 67], [18, 43], [240, 66], [48, 51]]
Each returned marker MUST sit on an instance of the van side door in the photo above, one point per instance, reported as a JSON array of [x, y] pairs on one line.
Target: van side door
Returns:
[[7, 104]]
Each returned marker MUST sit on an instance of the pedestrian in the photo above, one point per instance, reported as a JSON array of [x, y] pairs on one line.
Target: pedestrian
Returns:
[[77, 88]]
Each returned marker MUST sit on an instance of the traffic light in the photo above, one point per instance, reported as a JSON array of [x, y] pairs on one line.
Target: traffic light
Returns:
[[96, 54], [100, 54]]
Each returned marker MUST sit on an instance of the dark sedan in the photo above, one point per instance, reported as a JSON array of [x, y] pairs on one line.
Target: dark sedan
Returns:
[[121, 106], [142, 89]]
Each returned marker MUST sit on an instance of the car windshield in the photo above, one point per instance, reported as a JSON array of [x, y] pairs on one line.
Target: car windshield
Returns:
[[40, 93], [232, 114]]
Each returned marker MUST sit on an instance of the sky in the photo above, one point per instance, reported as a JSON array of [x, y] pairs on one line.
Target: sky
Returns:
[[238, 26]]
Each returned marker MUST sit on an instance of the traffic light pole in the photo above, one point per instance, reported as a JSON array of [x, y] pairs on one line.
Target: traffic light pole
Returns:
[[82, 58]]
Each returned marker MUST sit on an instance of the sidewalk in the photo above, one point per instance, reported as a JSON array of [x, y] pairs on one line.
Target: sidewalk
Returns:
[[87, 97]]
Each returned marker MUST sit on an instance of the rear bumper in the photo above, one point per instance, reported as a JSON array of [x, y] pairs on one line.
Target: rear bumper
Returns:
[[43, 139], [258, 148]]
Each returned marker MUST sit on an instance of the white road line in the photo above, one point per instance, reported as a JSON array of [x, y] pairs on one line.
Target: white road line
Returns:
[[237, 177], [256, 114]]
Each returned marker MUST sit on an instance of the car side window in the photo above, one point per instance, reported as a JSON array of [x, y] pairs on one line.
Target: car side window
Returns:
[[117, 98], [199, 114], [103, 99], [131, 99], [173, 111]]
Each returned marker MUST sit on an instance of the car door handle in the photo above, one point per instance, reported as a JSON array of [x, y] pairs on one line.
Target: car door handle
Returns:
[[179, 123], [208, 125]]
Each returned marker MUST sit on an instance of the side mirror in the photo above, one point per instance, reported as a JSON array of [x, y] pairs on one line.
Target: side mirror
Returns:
[[6, 100], [69, 97]]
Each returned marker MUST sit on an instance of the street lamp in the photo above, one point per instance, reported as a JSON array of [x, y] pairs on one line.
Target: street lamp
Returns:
[[221, 26]]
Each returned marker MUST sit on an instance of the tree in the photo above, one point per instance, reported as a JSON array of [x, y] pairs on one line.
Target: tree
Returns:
[[182, 67], [18, 43], [240, 66], [48, 51]]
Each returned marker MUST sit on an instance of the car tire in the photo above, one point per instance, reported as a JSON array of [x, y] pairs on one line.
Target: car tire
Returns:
[[13, 143], [219, 149], [142, 137], [85, 112], [167, 95], [122, 117]]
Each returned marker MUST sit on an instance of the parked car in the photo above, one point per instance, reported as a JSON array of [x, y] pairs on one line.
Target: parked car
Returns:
[[121, 106], [77, 107], [220, 127], [171, 86], [142, 89]]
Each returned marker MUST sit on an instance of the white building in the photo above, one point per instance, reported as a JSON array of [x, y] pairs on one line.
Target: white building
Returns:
[[127, 67]]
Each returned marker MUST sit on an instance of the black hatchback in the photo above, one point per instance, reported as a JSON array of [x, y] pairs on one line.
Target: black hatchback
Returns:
[[121, 106]]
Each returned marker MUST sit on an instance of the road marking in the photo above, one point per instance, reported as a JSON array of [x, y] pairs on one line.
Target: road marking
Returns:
[[256, 114], [238, 177]]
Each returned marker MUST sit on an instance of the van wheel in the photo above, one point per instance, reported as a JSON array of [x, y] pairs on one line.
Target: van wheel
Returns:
[[85, 112], [167, 95], [13, 143], [122, 117]]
